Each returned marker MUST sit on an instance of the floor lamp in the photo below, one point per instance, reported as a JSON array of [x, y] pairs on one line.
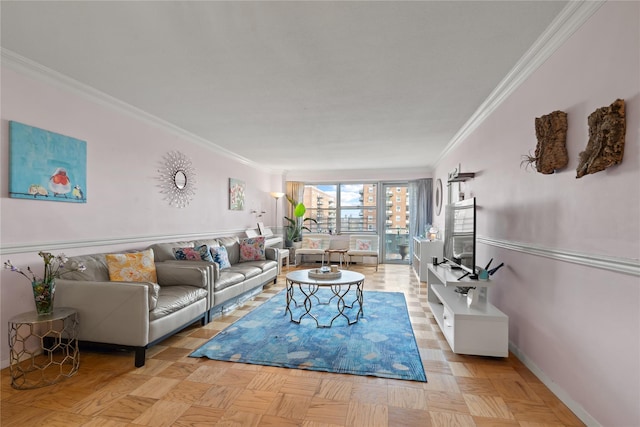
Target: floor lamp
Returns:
[[276, 195]]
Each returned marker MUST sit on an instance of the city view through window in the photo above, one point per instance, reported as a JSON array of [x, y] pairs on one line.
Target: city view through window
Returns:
[[354, 208]]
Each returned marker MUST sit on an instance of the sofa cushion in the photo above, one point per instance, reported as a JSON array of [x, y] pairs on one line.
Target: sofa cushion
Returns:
[[247, 270], [221, 257], [199, 253], [164, 251], [212, 243], [252, 249], [233, 248], [132, 267], [96, 269], [227, 278], [263, 266], [175, 298]]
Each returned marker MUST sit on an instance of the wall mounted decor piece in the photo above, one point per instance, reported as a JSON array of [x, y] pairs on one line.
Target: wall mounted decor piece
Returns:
[[177, 179], [607, 126], [236, 194], [438, 196], [45, 165], [551, 151]]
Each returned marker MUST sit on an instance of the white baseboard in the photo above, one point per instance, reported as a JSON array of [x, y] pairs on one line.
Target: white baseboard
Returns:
[[574, 406]]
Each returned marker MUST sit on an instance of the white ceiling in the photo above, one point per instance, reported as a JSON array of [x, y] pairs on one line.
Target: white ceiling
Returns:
[[291, 85]]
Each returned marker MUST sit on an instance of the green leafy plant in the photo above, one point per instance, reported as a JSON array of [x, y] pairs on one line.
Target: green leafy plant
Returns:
[[296, 224]]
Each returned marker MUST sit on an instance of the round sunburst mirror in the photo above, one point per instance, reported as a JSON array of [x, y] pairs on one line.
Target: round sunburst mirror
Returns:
[[180, 179], [177, 179]]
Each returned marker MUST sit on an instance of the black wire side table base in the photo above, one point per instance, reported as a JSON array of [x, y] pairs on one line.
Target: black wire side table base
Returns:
[[299, 283]]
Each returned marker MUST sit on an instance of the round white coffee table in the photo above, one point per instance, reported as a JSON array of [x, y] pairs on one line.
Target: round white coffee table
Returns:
[[349, 282]]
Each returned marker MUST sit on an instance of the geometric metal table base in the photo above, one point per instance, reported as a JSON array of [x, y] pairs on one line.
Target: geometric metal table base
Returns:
[[43, 349], [308, 288]]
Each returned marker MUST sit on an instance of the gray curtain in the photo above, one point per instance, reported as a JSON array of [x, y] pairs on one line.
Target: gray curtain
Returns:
[[421, 209]]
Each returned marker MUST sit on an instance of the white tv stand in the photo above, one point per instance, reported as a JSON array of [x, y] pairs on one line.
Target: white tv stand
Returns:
[[480, 329]]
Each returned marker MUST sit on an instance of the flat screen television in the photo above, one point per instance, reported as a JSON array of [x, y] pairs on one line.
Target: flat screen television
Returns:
[[460, 235]]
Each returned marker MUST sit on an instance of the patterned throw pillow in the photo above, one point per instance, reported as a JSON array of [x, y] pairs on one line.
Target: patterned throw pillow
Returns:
[[314, 243], [221, 257], [132, 267], [363, 245], [201, 253], [252, 249]]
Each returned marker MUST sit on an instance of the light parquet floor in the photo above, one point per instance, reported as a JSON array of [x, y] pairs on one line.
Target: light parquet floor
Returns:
[[175, 390]]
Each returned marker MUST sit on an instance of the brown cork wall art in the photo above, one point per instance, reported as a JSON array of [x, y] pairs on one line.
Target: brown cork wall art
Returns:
[[607, 126]]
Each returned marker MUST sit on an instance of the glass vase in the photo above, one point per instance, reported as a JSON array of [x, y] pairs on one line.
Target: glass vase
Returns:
[[43, 293]]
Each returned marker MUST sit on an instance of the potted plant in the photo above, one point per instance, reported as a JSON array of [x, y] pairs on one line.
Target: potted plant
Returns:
[[296, 224]]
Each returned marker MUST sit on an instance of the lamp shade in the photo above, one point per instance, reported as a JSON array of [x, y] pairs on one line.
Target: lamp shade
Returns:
[[276, 194]]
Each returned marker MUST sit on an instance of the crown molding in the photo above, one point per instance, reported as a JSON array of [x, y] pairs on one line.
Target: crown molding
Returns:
[[44, 74], [572, 17], [619, 265], [352, 175]]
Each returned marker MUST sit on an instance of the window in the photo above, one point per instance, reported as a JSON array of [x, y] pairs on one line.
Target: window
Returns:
[[340, 208], [321, 203]]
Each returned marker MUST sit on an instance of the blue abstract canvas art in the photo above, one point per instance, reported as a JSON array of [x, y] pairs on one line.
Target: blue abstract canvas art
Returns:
[[45, 165]]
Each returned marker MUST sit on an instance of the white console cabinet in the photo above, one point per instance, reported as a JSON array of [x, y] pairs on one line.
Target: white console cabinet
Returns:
[[480, 328], [423, 251]]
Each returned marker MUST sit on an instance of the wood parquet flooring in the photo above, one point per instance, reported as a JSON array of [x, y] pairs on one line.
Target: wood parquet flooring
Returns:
[[175, 390]]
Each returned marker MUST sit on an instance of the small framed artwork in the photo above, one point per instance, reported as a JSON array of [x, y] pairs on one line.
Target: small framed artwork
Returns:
[[236, 194], [45, 165]]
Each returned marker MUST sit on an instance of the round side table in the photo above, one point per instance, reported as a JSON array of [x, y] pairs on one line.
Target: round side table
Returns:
[[43, 349]]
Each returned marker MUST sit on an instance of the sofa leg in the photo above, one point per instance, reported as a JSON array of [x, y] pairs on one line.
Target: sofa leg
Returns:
[[140, 356], [275, 280]]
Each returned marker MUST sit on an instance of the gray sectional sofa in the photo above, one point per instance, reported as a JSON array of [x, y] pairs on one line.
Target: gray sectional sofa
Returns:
[[229, 285], [138, 315]]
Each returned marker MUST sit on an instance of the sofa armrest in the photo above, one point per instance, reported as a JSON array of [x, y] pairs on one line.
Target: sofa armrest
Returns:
[[109, 312], [180, 274], [271, 254]]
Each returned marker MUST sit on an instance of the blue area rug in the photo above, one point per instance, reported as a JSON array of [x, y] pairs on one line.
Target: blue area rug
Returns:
[[381, 344]]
